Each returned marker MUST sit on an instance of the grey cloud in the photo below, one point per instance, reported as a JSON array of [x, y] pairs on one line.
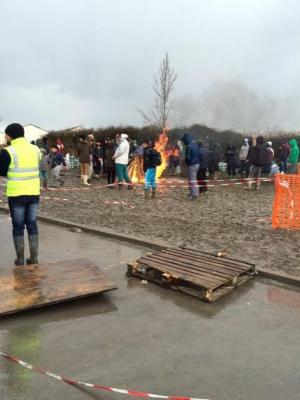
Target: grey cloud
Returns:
[[96, 59]]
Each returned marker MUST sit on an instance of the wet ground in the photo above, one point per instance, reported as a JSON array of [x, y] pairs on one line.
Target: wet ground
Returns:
[[143, 337], [227, 217]]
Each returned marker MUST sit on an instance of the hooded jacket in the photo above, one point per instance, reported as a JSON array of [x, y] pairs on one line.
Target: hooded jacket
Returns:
[[284, 152], [294, 154], [244, 151], [192, 151], [122, 152], [259, 153]]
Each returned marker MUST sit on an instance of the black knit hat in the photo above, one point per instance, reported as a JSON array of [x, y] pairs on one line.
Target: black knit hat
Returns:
[[14, 131]]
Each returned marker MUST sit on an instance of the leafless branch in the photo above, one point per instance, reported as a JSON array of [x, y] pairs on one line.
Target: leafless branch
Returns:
[[163, 86]]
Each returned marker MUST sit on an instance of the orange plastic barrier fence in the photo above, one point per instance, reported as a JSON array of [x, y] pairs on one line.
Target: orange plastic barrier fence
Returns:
[[286, 206]]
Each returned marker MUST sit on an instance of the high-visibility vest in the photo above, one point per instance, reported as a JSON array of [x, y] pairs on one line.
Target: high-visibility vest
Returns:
[[23, 172]]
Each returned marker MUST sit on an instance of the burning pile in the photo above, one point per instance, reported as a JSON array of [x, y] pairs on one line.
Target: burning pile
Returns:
[[135, 169]]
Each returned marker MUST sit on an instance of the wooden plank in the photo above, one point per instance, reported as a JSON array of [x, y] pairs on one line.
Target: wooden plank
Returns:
[[233, 260], [184, 269], [221, 261], [190, 267], [200, 263], [216, 261], [32, 286], [178, 273]]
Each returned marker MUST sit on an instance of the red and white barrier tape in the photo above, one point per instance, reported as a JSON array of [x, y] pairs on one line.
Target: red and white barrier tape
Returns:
[[172, 183], [107, 202], [90, 385]]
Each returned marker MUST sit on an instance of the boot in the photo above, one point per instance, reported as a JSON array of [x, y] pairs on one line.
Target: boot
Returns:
[[147, 193], [153, 195], [45, 185], [85, 180], [33, 247], [19, 247]]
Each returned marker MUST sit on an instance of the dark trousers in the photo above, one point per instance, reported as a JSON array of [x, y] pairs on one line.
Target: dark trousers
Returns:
[[97, 168], [283, 166], [23, 212], [201, 176], [231, 168], [111, 176], [244, 168]]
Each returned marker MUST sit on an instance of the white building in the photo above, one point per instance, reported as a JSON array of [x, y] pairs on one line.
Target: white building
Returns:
[[33, 132], [75, 128]]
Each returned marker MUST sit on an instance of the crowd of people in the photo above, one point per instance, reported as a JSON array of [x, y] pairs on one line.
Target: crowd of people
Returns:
[[24, 164], [254, 159], [285, 161], [112, 158]]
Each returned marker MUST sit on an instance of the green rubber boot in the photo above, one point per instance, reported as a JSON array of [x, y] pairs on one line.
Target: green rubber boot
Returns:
[[33, 247], [19, 247]]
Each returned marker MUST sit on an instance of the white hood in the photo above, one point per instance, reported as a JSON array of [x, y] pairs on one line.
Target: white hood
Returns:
[[122, 151]]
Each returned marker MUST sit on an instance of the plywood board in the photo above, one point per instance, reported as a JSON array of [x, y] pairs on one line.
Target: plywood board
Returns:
[[31, 286]]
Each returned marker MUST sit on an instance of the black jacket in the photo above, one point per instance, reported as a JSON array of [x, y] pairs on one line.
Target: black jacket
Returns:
[[258, 155], [203, 157], [149, 158], [4, 162]]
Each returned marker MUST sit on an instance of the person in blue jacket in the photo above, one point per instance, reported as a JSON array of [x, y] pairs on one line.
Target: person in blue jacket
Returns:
[[192, 154]]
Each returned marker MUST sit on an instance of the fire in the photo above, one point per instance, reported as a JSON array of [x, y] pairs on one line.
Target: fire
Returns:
[[135, 169], [161, 147]]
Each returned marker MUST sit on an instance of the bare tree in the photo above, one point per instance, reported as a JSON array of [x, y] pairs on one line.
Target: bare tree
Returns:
[[163, 86]]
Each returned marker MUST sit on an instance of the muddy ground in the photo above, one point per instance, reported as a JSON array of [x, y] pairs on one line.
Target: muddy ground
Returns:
[[226, 217]]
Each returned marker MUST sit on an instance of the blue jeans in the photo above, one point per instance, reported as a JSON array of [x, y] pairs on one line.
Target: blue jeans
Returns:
[[44, 176], [193, 182], [150, 179], [283, 166], [24, 211]]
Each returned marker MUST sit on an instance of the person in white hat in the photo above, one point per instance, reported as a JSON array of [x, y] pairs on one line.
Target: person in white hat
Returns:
[[121, 158]]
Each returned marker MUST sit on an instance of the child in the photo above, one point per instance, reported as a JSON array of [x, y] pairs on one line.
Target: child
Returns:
[[57, 161], [44, 167], [152, 159]]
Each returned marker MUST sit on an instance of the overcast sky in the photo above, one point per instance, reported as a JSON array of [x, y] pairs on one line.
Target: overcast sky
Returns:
[[70, 62]]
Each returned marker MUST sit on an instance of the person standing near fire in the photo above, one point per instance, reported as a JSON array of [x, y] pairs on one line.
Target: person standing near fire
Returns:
[[121, 158], [19, 163], [151, 160]]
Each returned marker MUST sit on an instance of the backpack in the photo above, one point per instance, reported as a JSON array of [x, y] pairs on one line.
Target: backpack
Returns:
[[156, 158]]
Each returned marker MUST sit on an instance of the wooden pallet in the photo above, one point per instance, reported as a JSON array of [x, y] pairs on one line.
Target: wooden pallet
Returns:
[[32, 286], [204, 275]]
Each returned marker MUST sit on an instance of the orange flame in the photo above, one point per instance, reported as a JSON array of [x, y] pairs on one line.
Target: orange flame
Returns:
[[135, 169]]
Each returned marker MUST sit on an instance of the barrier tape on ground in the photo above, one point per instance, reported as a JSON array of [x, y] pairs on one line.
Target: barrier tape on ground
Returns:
[[94, 386], [123, 203], [170, 183]]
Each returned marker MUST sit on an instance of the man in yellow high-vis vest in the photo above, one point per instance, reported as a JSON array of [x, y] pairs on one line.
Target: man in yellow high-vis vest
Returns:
[[19, 163]]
